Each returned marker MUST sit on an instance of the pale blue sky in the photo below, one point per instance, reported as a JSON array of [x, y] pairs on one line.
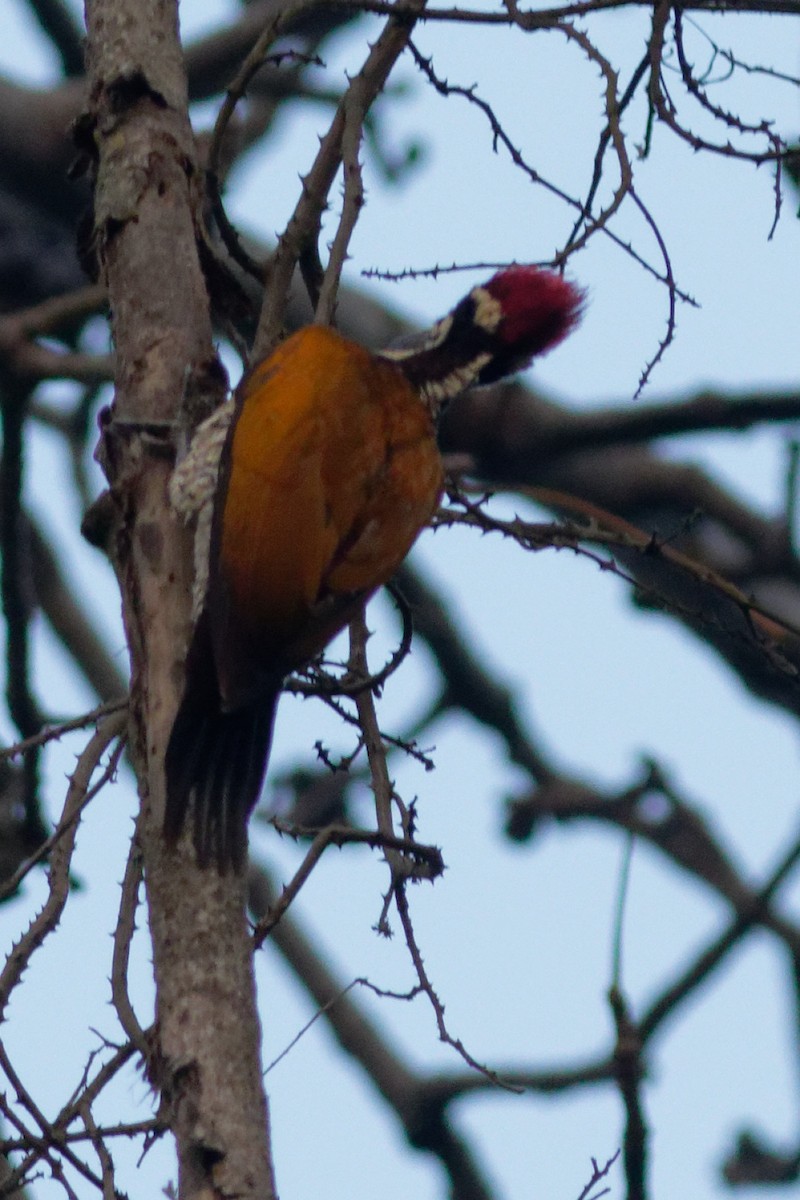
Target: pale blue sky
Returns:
[[517, 940]]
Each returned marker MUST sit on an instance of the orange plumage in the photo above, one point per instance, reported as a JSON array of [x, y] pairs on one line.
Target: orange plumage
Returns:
[[324, 499]]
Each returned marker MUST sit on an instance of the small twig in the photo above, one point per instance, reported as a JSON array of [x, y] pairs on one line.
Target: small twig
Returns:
[[123, 936], [356, 105], [729, 121], [44, 1143], [298, 241], [672, 293], [429, 860], [598, 1174], [326, 685], [79, 793], [614, 133], [321, 1012], [401, 902], [604, 529], [546, 18], [101, 1150], [89, 1089], [54, 732], [123, 1129], [604, 140], [253, 63], [401, 867], [431, 272]]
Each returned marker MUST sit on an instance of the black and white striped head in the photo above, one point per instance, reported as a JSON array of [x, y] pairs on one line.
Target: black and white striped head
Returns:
[[497, 329]]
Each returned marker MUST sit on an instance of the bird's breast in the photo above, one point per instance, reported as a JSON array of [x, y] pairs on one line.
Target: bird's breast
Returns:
[[333, 471]]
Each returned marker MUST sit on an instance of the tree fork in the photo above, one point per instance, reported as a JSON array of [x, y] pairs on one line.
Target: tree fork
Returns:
[[207, 1063]]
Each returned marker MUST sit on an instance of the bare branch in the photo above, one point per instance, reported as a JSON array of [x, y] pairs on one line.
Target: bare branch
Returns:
[[79, 794], [298, 243]]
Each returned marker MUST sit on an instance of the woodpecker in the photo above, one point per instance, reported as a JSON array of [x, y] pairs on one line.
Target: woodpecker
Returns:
[[306, 490]]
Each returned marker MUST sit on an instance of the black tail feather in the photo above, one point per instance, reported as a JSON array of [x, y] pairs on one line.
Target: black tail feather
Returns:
[[215, 765]]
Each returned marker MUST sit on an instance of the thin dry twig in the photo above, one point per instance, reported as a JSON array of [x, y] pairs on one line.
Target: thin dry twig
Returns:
[[356, 106], [327, 685], [123, 937], [612, 131], [429, 859], [501, 137], [90, 1087], [426, 986], [257, 57], [731, 122], [298, 242], [385, 796], [53, 733], [598, 1174], [45, 1145], [764, 628], [79, 794]]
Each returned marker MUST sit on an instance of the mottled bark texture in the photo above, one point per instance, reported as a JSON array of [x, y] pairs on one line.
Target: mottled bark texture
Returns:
[[207, 1059]]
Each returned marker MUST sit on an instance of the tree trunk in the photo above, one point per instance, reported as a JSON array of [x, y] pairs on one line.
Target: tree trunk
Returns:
[[148, 191]]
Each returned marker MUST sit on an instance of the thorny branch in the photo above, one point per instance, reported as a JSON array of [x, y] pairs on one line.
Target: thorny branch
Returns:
[[123, 936], [386, 798], [297, 245], [597, 528], [429, 863], [53, 732], [79, 793], [46, 1145]]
